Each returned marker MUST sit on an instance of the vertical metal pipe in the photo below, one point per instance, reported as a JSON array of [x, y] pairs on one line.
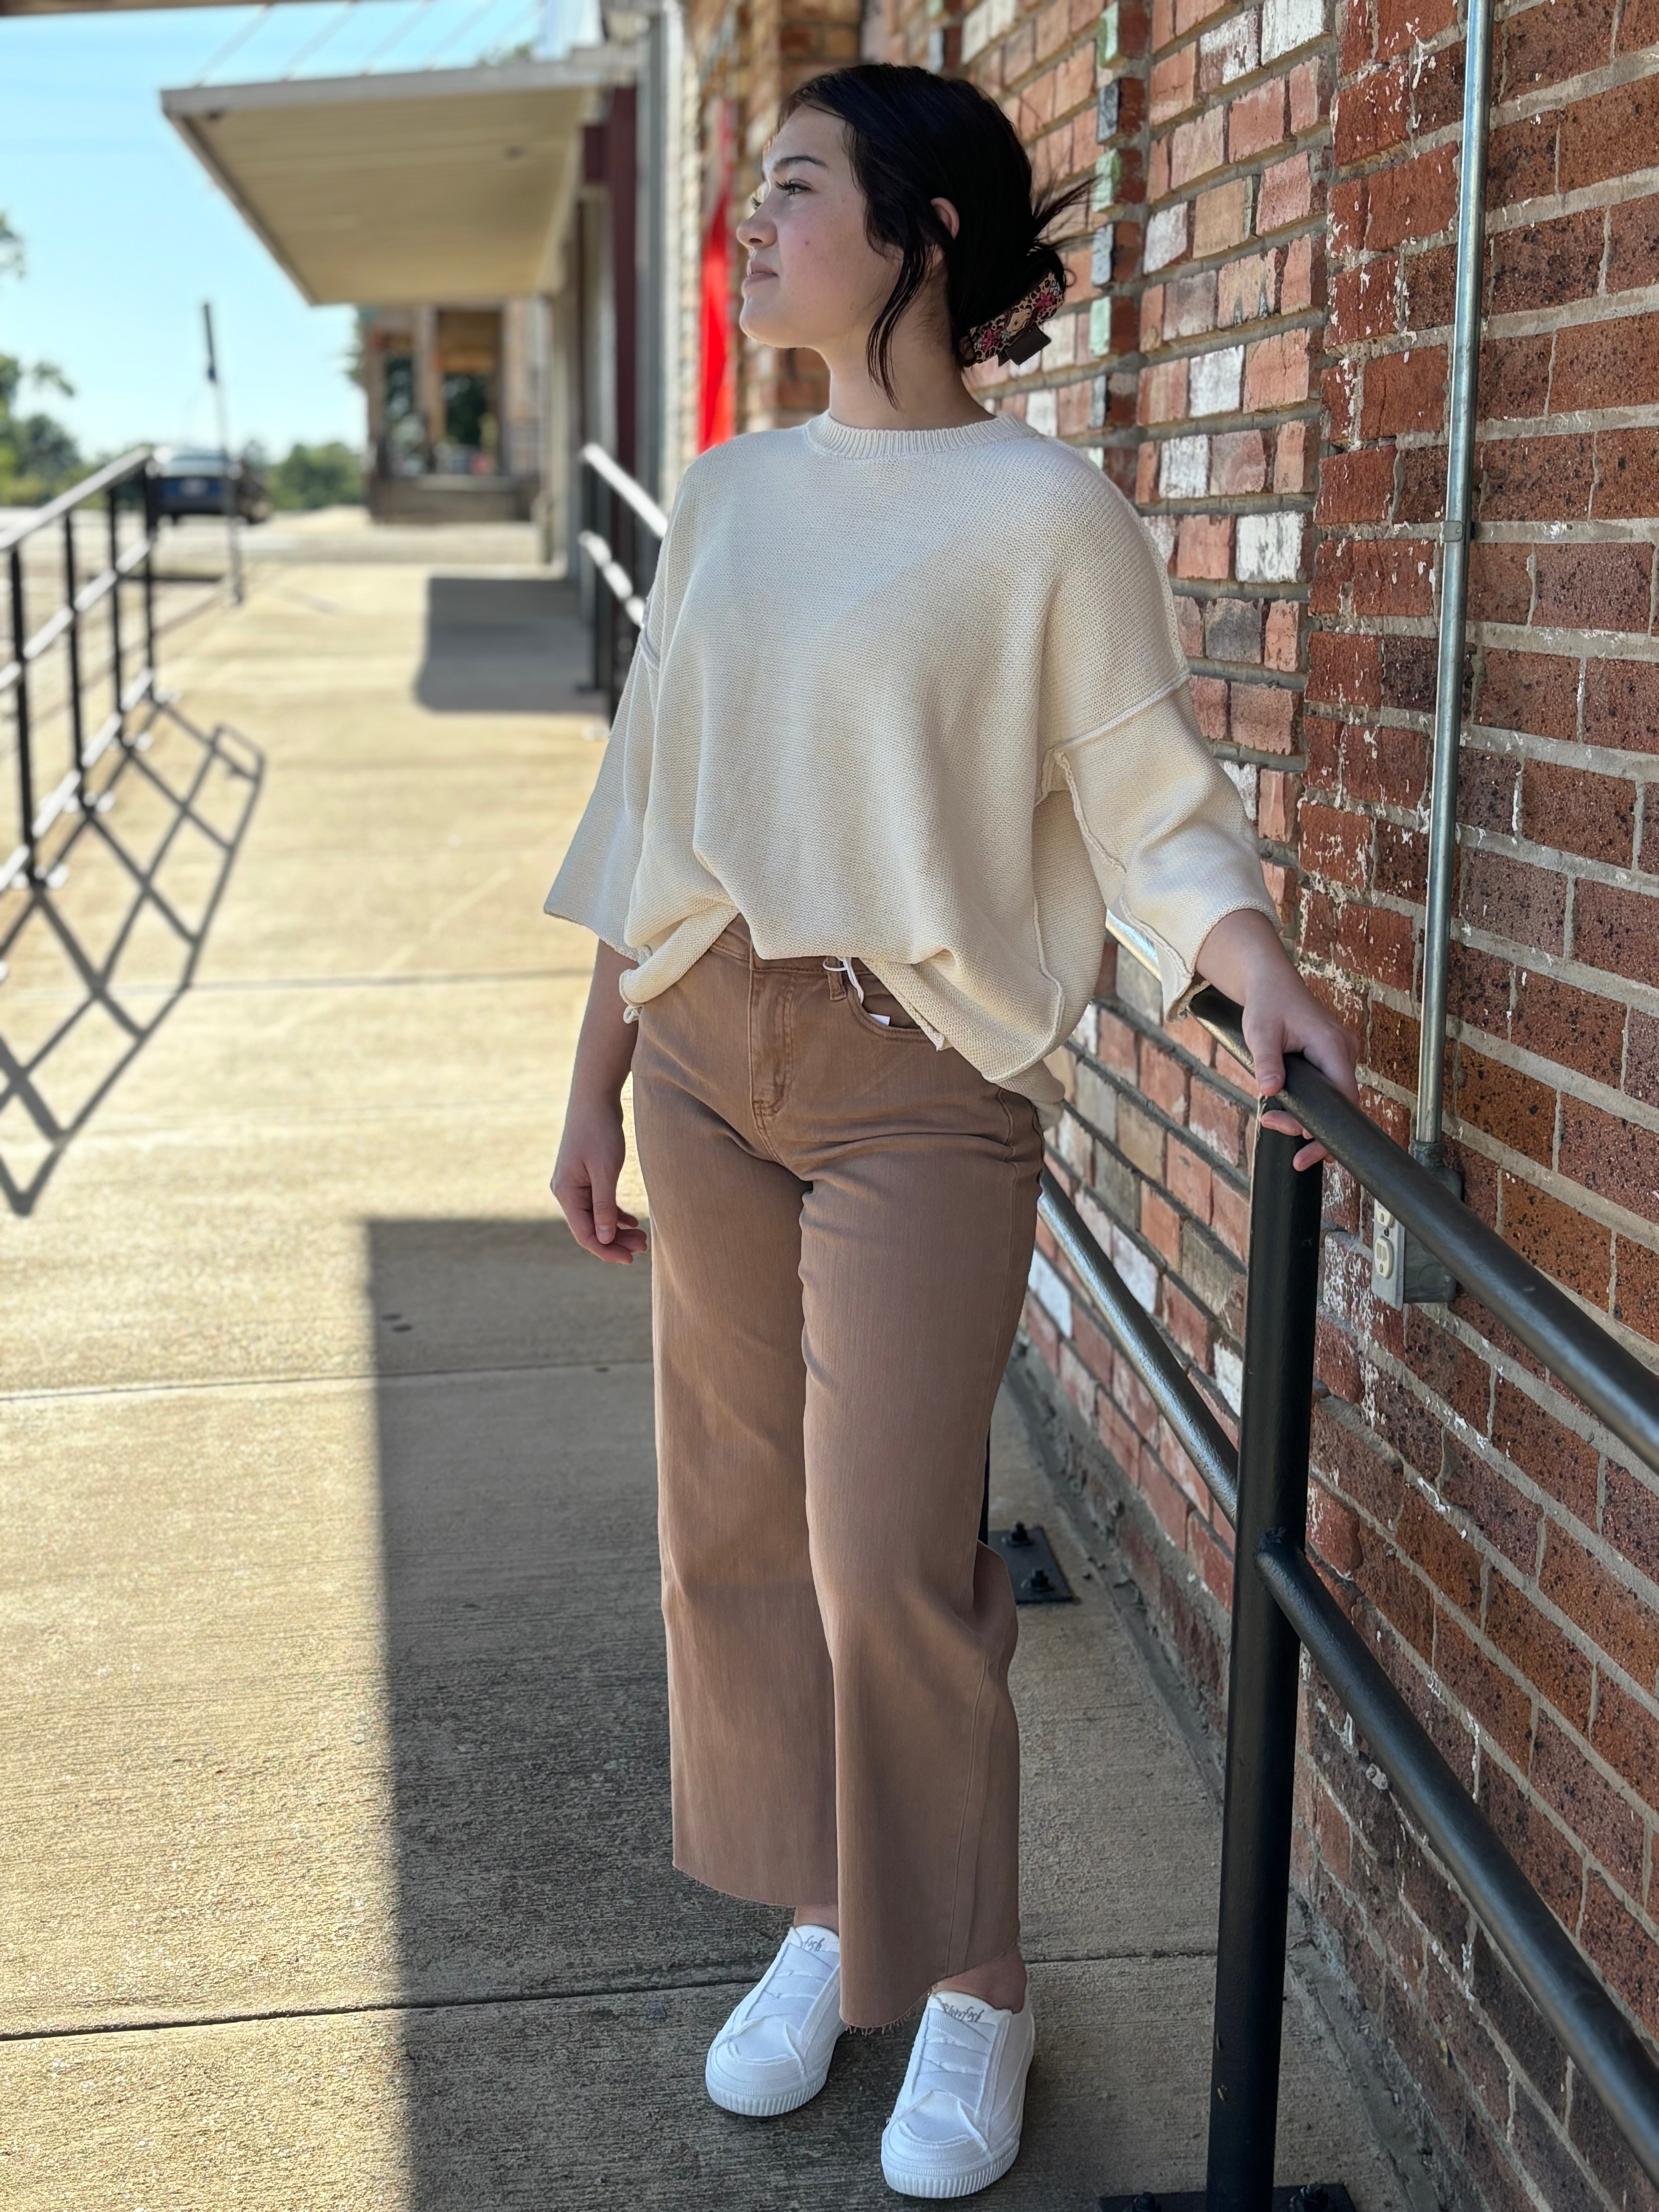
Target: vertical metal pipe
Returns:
[[21, 710], [117, 675], [1454, 585], [77, 722], [1262, 1690], [152, 520], [608, 607]]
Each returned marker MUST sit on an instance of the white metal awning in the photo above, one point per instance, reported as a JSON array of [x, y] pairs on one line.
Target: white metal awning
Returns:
[[447, 184]]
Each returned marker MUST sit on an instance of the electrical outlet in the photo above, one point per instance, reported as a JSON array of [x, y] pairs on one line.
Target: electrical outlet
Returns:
[[1387, 1257]]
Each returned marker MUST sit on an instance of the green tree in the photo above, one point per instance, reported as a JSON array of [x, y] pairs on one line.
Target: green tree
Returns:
[[331, 475], [38, 456]]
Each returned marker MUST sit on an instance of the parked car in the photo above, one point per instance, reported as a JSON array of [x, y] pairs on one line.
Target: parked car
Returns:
[[190, 482]]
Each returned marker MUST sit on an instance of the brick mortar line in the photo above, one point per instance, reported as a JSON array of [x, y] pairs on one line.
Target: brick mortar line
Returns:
[[1229, 587], [1560, 968], [1313, 320], [1248, 671], [1588, 309], [1578, 199], [1542, 639], [1242, 333], [1546, 530], [1552, 860], [1567, 644], [1567, 91], [1554, 752], [1225, 505]]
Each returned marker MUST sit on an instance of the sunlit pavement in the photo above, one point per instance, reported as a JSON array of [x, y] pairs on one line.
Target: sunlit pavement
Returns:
[[333, 1808]]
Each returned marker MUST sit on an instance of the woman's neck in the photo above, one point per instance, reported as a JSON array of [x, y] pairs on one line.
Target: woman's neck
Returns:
[[928, 392]]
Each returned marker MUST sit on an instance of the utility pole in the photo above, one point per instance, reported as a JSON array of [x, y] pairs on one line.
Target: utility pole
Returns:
[[229, 472]]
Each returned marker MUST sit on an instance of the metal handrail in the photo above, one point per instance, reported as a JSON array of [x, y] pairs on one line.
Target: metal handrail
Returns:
[[1612, 2057], [624, 554], [623, 485], [1261, 1487], [1594, 1366], [1547, 1961], [127, 690], [112, 472]]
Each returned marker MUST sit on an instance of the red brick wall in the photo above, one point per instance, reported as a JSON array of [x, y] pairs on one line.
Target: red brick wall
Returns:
[[1256, 349]]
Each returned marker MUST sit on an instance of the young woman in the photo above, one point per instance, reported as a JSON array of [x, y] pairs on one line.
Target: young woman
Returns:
[[908, 712]]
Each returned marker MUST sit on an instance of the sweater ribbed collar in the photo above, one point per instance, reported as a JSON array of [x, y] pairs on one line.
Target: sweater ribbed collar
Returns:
[[826, 435]]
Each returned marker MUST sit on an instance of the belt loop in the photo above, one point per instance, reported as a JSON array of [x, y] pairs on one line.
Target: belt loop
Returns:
[[842, 961]]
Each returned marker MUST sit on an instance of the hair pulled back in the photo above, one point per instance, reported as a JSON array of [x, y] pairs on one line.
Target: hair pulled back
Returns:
[[913, 137]]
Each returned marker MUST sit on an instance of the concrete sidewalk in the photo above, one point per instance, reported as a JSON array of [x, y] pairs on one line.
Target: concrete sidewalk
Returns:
[[333, 1822]]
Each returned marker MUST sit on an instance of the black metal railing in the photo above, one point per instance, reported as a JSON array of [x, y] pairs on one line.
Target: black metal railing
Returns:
[[1280, 1604], [1262, 1487], [48, 555], [622, 528]]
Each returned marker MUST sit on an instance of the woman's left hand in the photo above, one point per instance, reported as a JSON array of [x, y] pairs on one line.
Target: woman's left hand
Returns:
[[1242, 956]]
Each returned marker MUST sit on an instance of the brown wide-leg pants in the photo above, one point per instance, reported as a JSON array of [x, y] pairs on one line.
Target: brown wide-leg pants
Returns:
[[842, 1220]]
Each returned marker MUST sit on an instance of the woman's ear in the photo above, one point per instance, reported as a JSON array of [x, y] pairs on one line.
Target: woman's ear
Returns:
[[948, 215]]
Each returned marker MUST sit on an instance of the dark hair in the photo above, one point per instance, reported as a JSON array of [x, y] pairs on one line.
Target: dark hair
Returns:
[[914, 137]]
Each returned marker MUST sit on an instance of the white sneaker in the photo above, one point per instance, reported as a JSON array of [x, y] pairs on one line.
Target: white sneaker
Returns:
[[774, 2051], [956, 2126]]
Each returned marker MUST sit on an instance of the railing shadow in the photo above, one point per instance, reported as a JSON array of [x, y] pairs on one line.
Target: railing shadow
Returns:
[[97, 955], [504, 645]]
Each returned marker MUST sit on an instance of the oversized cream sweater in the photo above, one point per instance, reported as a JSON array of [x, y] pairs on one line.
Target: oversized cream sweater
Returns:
[[915, 696]]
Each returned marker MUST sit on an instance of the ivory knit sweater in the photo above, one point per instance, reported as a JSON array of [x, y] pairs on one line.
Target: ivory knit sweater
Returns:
[[915, 696]]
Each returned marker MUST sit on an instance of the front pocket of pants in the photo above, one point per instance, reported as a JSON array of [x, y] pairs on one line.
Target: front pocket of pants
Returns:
[[901, 1024]]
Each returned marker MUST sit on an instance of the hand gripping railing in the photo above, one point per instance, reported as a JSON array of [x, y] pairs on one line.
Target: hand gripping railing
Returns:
[[128, 688], [1262, 1488], [622, 528]]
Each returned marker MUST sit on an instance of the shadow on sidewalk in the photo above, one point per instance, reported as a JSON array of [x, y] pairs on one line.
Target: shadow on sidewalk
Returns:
[[527, 1708], [97, 958], [504, 645]]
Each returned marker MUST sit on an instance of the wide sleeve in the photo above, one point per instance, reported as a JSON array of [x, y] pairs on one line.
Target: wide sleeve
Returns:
[[1166, 833], [595, 883]]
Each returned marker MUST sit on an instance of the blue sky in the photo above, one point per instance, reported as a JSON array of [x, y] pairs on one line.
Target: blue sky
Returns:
[[126, 234]]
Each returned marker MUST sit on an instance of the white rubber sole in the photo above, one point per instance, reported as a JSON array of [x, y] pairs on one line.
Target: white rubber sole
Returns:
[[752, 2107], [909, 2182]]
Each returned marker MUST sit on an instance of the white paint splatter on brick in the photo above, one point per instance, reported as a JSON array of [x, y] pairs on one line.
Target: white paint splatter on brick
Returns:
[[1216, 381], [1166, 237], [1287, 24], [1184, 468], [1269, 548]]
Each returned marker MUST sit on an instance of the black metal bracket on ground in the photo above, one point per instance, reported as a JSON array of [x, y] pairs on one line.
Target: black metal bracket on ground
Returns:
[[1311, 2197], [1037, 1574]]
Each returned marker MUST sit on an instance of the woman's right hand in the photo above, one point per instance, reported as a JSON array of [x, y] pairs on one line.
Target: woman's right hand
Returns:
[[592, 1148], [584, 1175]]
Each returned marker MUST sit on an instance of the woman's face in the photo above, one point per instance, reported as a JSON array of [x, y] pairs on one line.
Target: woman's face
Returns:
[[814, 278]]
